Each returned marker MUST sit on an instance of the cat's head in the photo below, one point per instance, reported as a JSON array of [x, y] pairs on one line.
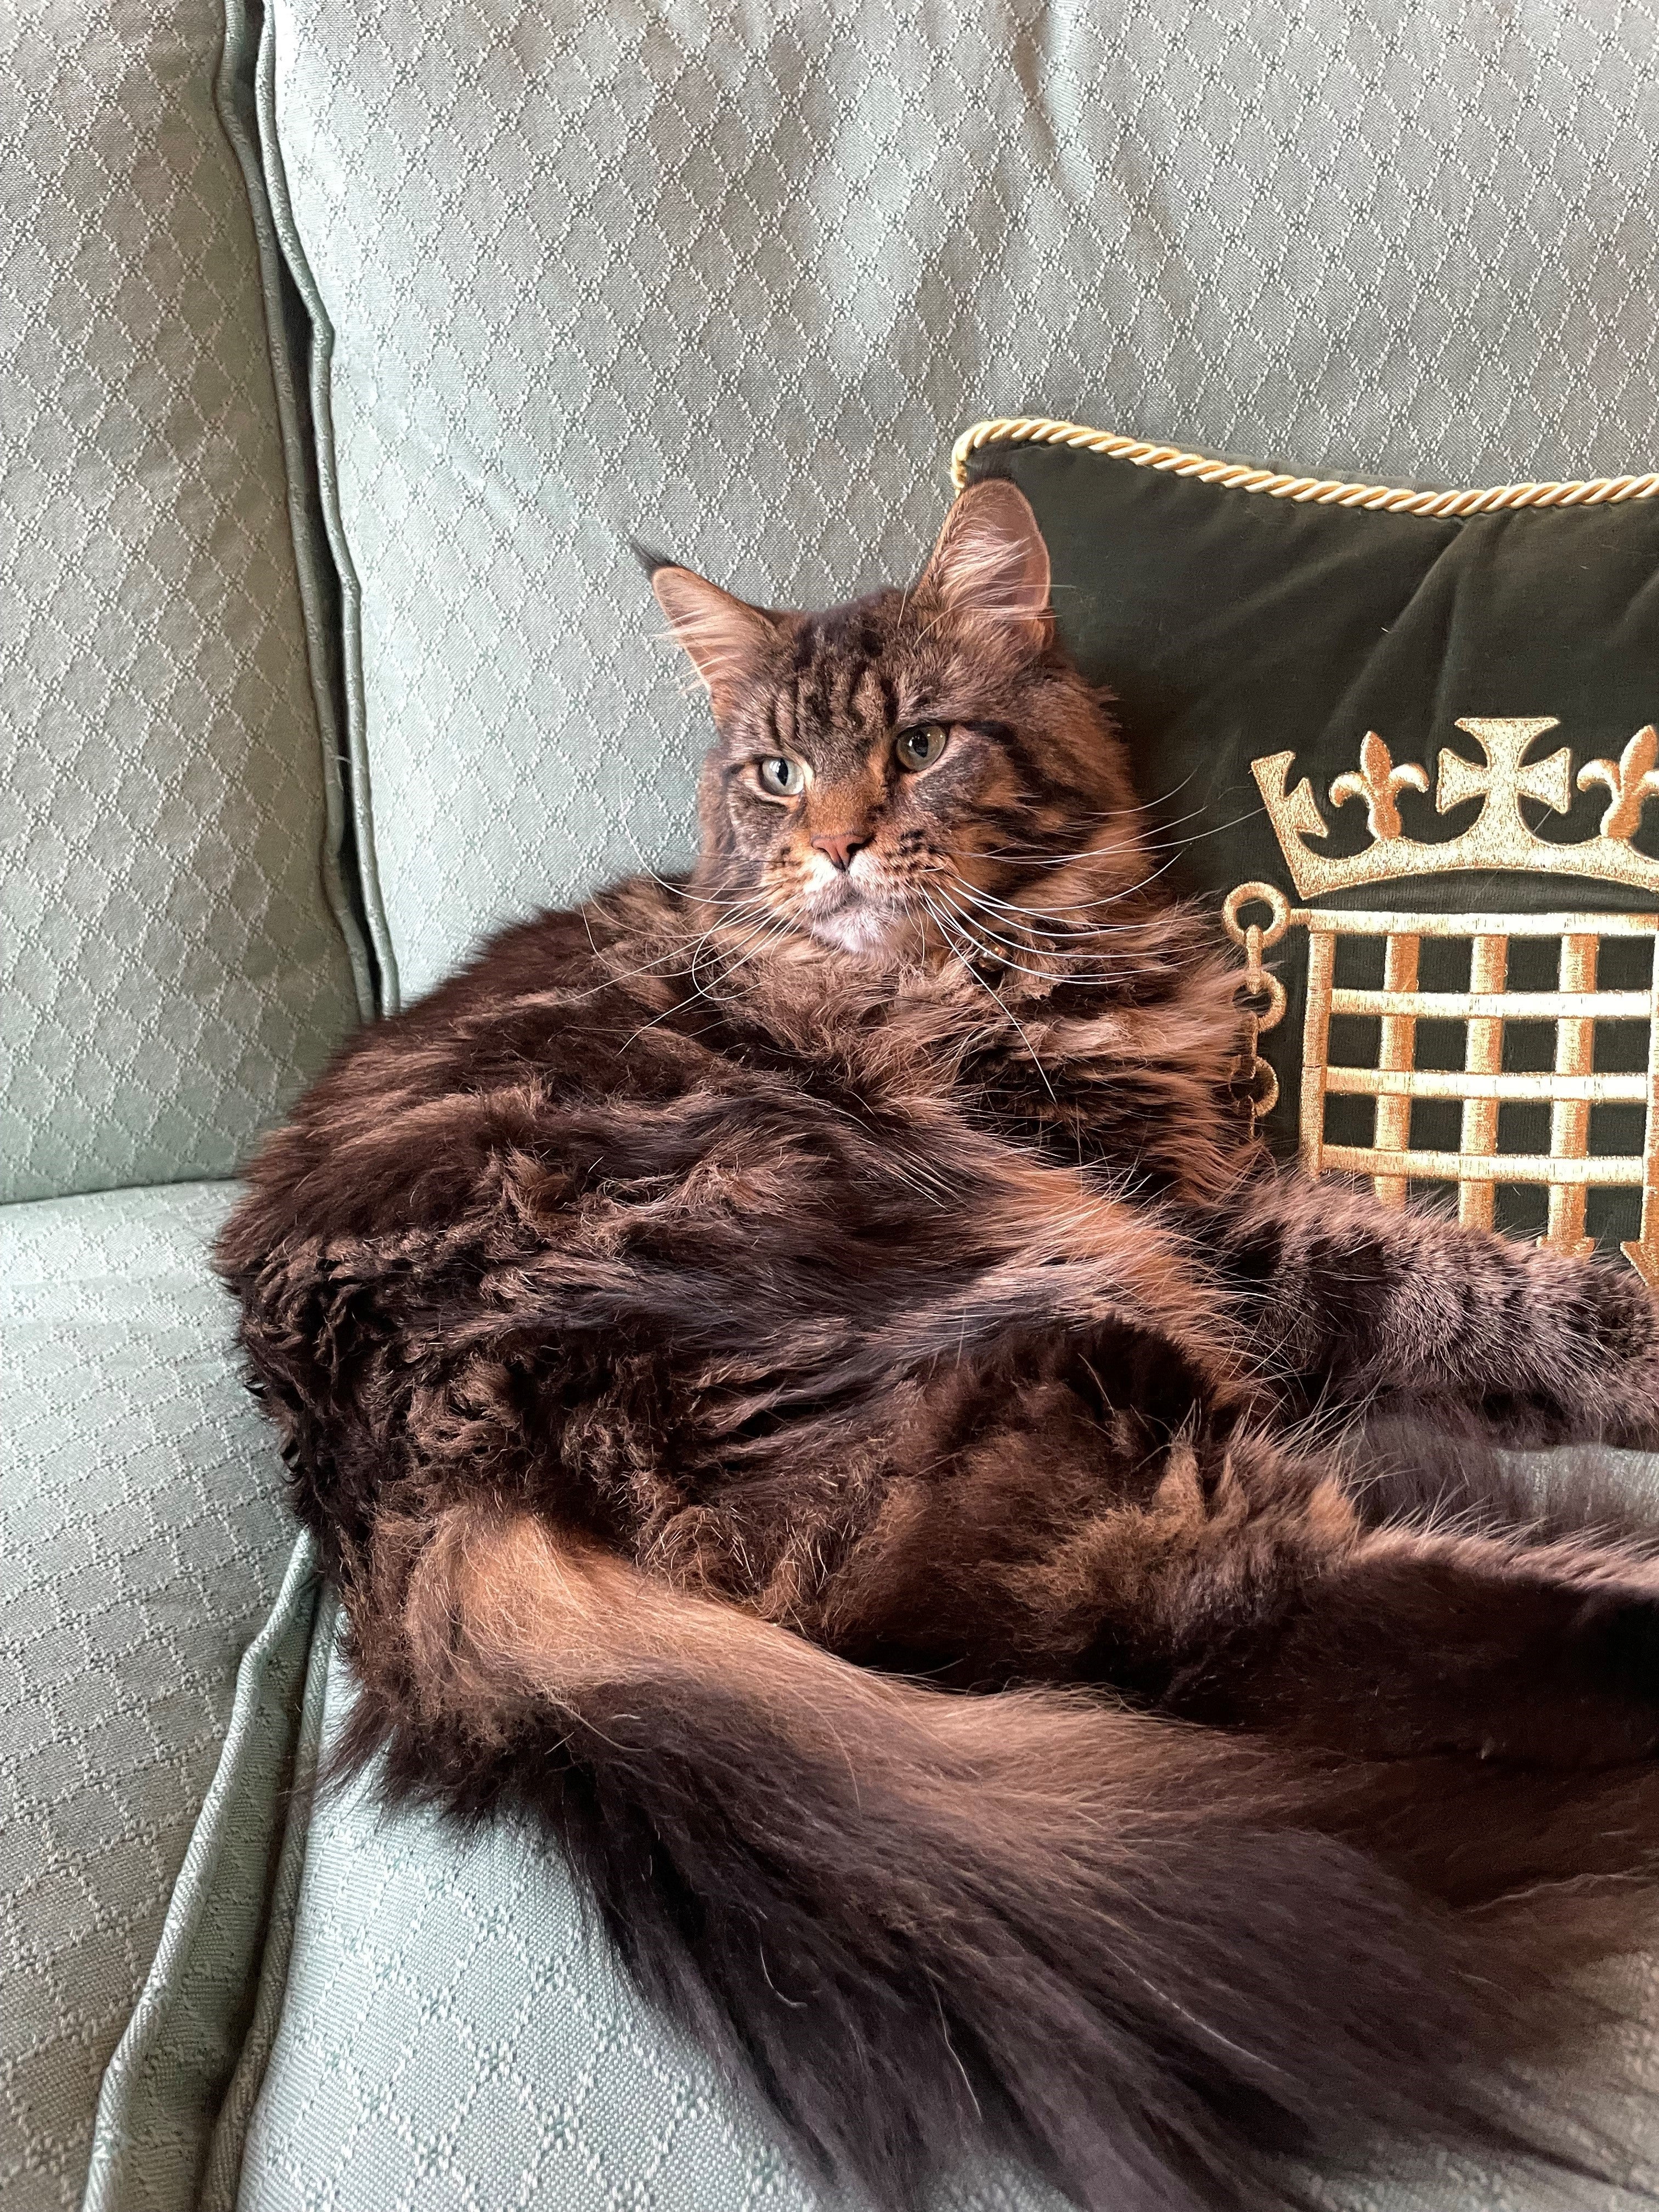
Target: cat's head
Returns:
[[914, 768]]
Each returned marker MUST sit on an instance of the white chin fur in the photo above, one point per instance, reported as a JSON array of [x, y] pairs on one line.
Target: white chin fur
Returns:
[[854, 927]]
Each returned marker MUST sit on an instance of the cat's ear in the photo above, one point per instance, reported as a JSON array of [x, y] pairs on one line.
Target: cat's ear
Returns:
[[990, 563], [727, 641]]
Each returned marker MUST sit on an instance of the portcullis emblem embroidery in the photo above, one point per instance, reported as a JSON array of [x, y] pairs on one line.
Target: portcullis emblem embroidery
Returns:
[[1498, 841]]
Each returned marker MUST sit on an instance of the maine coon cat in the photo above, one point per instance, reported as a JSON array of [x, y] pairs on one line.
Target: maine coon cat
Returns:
[[810, 1395]]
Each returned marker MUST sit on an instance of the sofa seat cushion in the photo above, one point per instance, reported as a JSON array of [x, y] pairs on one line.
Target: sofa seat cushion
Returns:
[[440, 2029], [143, 1538], [454, 2035]]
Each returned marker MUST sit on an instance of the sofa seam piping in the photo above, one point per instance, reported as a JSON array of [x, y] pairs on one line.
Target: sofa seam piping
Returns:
[[359, 779], [228, 80]]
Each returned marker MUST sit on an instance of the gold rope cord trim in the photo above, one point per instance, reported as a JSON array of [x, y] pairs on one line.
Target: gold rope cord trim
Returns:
[[1313, 491]]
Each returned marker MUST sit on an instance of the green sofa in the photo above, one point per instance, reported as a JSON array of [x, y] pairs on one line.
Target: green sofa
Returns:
[[342, 349]]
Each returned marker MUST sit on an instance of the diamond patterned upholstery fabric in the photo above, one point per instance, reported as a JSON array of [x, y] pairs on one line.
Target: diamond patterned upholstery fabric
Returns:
[[173, 2107], [454, 2039], [729, 280], [172, 966], [732, 282], [143, 1538]]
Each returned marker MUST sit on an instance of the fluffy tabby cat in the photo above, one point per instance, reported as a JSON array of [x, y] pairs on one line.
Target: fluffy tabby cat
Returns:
[[808, 1395]]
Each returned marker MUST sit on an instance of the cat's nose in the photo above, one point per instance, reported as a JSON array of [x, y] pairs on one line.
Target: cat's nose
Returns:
[[840, 847]]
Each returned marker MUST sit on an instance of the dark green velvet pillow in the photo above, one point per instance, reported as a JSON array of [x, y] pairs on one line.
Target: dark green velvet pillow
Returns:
[[1408, 738]]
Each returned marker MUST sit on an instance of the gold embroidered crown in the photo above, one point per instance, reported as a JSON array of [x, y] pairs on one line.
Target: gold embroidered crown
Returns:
[[1499, 838]]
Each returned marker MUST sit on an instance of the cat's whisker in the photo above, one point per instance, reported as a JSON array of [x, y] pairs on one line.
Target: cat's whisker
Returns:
[[1050, 922], [721, 961], [702, 898], [763, 940], [1135, 837], [1013, 856], [977, 933], [997, 947], [1043, 921], [757, 922], [757, 906], [683, 889], [1032, 855], [1145, 882], [610, 980], [1052, 914], [969, 967]]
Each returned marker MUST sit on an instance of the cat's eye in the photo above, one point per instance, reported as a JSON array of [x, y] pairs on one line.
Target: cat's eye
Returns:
[[920, 747], [782, 777]]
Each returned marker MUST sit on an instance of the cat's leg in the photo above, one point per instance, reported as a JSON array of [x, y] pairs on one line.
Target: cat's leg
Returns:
[[1352, 1302], [1233, 1582], [1391, 1641]]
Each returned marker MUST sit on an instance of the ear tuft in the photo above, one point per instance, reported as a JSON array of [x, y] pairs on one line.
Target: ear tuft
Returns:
[[648, 557], [990, 563], [727, 641]]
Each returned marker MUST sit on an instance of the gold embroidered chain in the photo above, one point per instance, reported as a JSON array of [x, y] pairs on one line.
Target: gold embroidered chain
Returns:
[[1260, 997]]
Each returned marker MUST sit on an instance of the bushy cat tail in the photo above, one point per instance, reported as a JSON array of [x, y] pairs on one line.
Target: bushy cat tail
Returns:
[[935, 1927]]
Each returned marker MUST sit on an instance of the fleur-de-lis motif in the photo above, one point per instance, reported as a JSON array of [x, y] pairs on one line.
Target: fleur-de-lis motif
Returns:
[[1376, 781], [1630, 783], [1501, 837]]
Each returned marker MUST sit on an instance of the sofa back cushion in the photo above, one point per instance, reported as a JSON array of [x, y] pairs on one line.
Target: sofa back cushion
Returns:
[[173, 964], [731, 281]]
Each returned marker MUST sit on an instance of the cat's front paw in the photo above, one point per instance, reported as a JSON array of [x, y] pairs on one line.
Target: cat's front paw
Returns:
[[1621, 1383]]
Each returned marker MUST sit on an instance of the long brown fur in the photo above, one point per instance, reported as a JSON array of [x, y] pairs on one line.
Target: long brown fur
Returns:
[[809, 1397]]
